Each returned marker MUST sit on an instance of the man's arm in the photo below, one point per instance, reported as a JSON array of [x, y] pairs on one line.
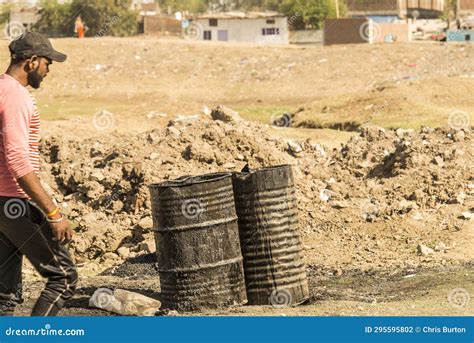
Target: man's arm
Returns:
[[31, 185], [15, 122]]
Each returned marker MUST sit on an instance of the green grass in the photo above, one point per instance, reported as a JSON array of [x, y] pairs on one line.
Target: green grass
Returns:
[[264, 114], [413, 116], [70, 108], [261, 114], [328, 137], [407, 116]]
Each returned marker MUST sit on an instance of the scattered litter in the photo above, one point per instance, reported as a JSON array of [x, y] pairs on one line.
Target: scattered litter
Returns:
[[154, 114], [466, 215], [325, 195], [424, 250], [124, 302], [409, 276]]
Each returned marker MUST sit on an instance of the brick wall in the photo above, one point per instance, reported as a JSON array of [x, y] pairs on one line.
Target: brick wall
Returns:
[[345, 31], [466, 6], [161, 25]]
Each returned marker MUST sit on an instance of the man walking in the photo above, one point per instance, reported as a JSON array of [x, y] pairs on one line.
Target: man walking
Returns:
[[30, 222]]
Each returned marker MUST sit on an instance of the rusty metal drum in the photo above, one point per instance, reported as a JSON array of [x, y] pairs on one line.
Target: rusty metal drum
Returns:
[[198, 250], [266, 206]]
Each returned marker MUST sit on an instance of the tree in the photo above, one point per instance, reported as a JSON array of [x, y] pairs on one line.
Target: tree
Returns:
[[311, 13], [106, 17], [54, 19], [193, 6], [450, 12], [5, 13], [102, 17]]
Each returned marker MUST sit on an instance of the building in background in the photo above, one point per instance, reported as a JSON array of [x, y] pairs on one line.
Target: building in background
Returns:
[[21, 20], [145, 7], [161, 25], [463, 36], [365, 30], [253, 27], [391, 10], [307, 37], [20, 3], [466, 7]]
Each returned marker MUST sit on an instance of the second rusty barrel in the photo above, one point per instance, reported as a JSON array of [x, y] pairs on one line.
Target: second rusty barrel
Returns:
[[271, 246], [198, 250]]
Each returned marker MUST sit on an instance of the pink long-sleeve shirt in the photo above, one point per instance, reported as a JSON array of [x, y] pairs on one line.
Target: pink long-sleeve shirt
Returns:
[[19, 143]]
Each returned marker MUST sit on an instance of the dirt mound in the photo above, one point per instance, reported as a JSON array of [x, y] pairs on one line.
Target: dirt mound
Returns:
[[391, 104], [102, 183], [368, 204]]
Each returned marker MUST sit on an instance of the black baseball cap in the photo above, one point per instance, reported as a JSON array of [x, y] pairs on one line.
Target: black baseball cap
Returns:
[[34, 43]]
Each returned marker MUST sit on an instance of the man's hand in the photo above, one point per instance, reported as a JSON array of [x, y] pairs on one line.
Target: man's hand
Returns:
[[62, 231], [31, 185]]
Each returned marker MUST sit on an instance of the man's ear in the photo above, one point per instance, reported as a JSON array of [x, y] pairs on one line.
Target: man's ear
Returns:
[[32, 63]]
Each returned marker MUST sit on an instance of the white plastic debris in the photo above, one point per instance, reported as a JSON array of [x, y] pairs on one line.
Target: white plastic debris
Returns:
[[424, 250], [154, 114], [325, 195], [124, 302]]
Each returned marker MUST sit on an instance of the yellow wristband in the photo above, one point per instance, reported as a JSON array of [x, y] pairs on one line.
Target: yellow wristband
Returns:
[[53, 212]]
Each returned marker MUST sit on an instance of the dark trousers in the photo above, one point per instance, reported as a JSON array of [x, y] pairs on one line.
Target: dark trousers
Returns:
[[24, 230]]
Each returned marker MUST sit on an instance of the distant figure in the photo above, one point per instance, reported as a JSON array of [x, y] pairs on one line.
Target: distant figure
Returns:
[[79, 27]]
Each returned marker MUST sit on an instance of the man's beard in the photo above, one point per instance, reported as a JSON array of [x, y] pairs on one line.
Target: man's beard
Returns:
[[34, 79]]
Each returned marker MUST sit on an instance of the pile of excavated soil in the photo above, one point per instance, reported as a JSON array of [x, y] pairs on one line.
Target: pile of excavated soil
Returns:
[[385, 199], [416, 102]]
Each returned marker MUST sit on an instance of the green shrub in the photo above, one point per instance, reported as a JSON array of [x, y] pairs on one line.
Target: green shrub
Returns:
[[102, 18]]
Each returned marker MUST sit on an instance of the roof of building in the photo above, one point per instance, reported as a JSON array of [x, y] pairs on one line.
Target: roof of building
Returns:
[[240, 15]]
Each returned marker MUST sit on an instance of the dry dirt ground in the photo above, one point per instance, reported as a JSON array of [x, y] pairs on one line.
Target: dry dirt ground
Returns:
[[123, 113]]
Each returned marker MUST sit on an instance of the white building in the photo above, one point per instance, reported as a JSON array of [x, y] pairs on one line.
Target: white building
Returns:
[[20, 3], [252, 27]]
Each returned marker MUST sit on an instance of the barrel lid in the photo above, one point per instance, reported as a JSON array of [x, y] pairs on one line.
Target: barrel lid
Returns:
[[247, 170], [191, 180], [267, 177]]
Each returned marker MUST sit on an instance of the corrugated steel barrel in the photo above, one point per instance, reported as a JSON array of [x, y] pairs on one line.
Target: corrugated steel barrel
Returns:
[[198, 249], [271, 246]]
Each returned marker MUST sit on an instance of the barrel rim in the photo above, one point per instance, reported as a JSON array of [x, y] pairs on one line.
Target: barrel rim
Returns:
[[191, 180], [264, 169]]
